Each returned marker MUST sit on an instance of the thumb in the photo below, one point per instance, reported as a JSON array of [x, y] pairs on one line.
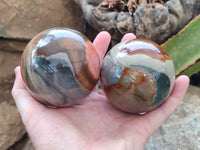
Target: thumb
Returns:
[[25, 103]]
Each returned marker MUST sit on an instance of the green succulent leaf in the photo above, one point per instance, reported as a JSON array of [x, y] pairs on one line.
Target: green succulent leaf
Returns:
[[184, 48], [192, 69]]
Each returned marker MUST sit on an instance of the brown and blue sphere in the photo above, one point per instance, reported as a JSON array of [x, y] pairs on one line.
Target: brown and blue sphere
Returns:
[[60, 67], [137, 75]]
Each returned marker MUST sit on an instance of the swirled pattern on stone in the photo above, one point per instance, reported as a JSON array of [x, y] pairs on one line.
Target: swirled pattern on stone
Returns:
[[60, 67], [137, 75]]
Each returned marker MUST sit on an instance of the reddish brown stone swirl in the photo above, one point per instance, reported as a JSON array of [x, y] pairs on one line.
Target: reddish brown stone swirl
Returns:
[[160, 53], [60, 67], [131, 86]]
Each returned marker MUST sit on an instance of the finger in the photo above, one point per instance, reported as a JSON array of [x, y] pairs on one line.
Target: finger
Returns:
[[26, 104], [157, 117], [18, 84], [101, 44], [128, 36]]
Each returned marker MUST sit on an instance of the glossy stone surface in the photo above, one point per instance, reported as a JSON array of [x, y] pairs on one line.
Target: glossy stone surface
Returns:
[[137, 75], [60, 67]]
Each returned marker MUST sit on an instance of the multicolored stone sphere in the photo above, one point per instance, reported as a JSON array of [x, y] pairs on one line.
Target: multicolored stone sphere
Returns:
[[60, 67], [137, 75]]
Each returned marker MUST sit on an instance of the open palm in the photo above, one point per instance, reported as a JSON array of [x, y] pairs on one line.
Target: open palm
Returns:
[[95, 123]]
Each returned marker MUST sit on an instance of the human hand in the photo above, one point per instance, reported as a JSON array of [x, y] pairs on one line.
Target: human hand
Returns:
[[95, 124]]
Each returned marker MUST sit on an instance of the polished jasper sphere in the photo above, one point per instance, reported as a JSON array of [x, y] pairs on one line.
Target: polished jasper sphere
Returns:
[[60, 67], [137, 75]]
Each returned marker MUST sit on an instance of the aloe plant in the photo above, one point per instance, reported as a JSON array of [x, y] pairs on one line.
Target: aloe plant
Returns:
[[184, 48]]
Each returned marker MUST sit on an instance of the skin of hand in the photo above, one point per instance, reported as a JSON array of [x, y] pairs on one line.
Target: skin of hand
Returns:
[[94, 124]]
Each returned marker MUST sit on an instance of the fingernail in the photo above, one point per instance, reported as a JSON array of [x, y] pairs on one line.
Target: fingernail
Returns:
[[15, 70], [131, 34]]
